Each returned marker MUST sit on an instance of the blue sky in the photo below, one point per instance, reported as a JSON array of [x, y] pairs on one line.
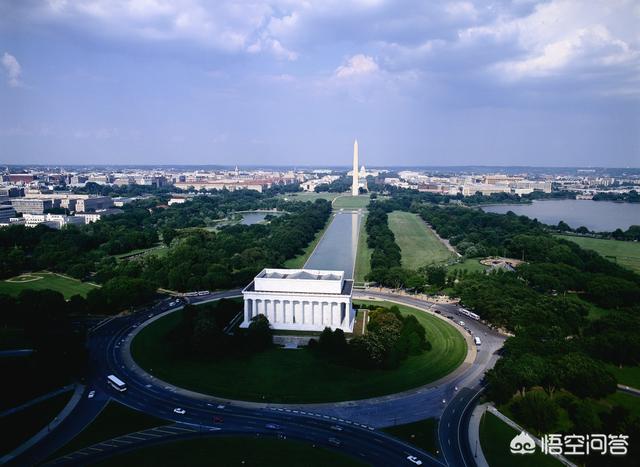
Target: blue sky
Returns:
[[515, 82]]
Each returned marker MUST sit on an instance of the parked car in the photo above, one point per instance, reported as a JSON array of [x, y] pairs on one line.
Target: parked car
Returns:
[[179, 411], [414, 460]]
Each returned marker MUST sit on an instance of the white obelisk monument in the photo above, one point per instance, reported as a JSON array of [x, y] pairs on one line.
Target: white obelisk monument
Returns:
[[354, 184]]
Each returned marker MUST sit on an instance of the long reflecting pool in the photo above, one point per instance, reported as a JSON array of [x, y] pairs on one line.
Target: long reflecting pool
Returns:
[[338, 246]]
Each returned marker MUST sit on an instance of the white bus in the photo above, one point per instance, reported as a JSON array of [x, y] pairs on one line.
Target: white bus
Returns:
[[470, 314], [116, 383], [477, 340]]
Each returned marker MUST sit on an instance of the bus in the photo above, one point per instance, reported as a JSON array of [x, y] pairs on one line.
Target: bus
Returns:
[[477, 340], [470, 314], [116, 383]]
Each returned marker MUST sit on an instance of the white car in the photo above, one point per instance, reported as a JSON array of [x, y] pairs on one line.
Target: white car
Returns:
[[91, 394], [179, 411], [221, 407], [414, 460]]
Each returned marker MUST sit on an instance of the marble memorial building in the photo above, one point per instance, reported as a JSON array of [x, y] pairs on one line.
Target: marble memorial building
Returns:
[[300, 299]]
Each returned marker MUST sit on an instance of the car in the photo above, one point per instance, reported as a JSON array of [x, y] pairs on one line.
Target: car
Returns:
[[336, 427], [335, 442], [444, 401], [218, 419], [272, 426], [179, 411], [91, 394], [221, 407], [438, 312], [461, 323], [414, 460], [450, 317]]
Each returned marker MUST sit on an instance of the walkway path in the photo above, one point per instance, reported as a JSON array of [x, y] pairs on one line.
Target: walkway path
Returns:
[[64, 413], [37, 400], [474, 435]]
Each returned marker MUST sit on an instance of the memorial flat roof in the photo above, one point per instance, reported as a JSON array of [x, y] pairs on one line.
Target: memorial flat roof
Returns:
[[302, 274], [347, 287]]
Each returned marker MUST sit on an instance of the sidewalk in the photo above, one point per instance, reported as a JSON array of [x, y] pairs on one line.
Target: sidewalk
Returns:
[[474, 435], [77, 395], [44, 397]]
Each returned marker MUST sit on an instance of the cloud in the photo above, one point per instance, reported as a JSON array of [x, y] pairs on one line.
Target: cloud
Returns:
[[13, 70], [358, 65]]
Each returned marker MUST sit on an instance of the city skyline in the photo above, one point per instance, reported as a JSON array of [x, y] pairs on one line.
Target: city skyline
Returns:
[[485, 83]]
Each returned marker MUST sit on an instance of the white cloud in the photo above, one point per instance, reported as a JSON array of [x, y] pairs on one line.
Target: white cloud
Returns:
[[358, 65], [13, 70]]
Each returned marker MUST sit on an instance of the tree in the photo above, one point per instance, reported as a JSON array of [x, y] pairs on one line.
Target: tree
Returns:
[[259, 334], [537, 411], [585, 377]]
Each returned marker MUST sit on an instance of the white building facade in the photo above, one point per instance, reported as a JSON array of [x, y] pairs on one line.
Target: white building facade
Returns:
[[300, 300]]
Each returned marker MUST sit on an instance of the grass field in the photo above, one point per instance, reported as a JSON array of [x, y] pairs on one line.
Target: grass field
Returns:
[[115, 420], [418, 244], [351, 202], [298, 261], [626, 254], [422, 434], [20, 426], [67, 286], [231, 451], [297, 376], [629, 375], [363, 256], [310, 196], [470, 265], [495, 436]]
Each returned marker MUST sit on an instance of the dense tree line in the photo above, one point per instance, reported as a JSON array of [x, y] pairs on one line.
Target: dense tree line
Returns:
[[198, 258], [43, 321], [200, 333], [390, 338]]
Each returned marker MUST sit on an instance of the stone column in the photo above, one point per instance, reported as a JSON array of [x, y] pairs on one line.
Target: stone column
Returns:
[[317, 313], [247, 312]]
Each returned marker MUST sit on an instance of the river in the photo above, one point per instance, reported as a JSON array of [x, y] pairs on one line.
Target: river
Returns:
[[599, 216], [338, 246]]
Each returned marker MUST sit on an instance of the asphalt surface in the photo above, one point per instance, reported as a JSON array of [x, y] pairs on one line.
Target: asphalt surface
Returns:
[[314, 424]]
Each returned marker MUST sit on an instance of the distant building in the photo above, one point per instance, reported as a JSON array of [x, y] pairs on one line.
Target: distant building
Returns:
[[300, 299], [55, 221], [6, 213], [31, 205]]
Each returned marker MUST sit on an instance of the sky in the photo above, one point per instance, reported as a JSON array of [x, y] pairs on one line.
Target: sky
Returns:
[[283, 82]]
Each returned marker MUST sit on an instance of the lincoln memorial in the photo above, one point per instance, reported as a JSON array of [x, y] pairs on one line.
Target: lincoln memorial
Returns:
[[300, 299]]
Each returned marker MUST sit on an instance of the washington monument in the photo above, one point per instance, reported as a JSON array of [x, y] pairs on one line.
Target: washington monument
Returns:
[[354, 185]]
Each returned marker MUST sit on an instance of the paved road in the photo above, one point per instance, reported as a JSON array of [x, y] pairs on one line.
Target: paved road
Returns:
[[311, 423]]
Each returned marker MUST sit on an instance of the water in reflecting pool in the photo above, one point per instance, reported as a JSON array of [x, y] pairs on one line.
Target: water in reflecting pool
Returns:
[[338, 246]]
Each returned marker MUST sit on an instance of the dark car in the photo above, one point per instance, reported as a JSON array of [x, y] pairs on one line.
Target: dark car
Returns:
[[217, 419]]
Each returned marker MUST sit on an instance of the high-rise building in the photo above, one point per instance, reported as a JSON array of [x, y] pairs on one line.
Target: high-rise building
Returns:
[[355, 185]]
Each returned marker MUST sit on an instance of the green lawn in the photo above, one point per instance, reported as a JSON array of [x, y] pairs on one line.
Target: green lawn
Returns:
[[309, 196], [470, 265], [351, 202], [363, 256], [495, 436], [624, 253], [297, 376], [45, 280], [115, 420], [629, 375], [20, 426], [298, 261], [422, 434], [232, 451], [418, 244]]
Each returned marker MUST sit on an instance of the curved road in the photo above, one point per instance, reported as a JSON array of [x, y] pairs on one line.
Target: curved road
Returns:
[[109, 349]]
